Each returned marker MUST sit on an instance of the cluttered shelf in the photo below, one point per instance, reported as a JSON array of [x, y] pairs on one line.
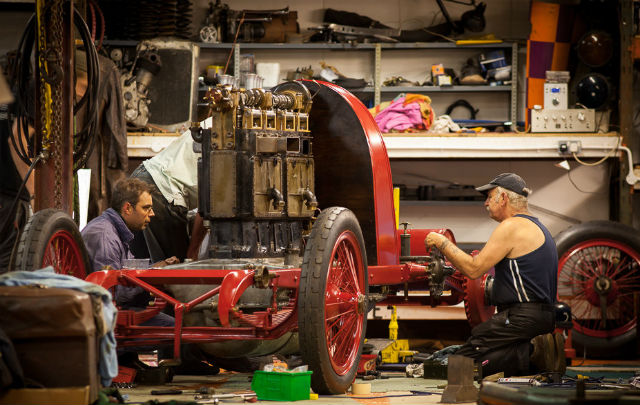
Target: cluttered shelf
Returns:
[[423, 89], [335, 46], [377, 88]]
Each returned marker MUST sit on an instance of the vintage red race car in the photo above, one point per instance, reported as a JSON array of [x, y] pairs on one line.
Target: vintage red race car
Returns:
[[295, 187]]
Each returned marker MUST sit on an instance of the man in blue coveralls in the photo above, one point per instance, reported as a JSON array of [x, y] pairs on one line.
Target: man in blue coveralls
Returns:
[[517, 340], [107, 239]]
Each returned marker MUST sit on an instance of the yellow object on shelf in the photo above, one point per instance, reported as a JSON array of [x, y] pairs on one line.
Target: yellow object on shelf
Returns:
[[478, 41]]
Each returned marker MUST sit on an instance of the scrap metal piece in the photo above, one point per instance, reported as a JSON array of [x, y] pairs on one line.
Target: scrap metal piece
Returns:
[[385, 34], [460, 379]]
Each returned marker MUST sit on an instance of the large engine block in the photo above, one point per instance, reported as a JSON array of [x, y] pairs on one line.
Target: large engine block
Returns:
[[256, 175]]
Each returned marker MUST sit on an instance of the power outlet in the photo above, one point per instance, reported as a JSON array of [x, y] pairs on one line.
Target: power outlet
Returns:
[[569, 147]]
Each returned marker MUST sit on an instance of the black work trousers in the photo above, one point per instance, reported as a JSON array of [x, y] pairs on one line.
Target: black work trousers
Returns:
[[168, 232], [502, 343]]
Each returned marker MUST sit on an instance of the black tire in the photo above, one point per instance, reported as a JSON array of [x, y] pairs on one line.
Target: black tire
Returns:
[[335, 231], [609, 249], [50, 237], [11, 237]]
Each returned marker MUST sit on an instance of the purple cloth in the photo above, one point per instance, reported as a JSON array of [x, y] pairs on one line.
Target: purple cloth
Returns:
[[399, 117], [107, 239], [540, 58]]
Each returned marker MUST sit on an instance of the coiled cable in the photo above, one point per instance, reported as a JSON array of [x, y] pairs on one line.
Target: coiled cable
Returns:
[[23, 108]]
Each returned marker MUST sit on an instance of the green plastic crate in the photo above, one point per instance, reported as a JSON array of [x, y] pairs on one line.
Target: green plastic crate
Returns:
[[274, 386]]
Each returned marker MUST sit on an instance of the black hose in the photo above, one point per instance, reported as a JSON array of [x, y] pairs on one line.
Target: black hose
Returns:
[[463, 103], [22, 74], [15, 200], [85, 138]]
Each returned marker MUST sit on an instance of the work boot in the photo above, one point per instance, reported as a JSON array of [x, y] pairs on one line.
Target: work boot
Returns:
[[544, 352], [560, 360]]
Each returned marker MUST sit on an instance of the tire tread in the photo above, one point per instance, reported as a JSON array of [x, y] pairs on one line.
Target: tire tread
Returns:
[[311, 301]]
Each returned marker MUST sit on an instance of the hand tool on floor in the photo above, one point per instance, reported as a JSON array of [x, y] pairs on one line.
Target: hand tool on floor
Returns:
[[167, 391], [215, 399], [175, 391], [201, 391]]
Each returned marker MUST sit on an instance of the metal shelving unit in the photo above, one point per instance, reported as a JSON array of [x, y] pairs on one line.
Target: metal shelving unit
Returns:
[[439, 89], [377, 89]]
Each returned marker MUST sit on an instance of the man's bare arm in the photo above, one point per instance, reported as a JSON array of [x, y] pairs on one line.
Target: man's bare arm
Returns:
[[473, 266], [197, 236]]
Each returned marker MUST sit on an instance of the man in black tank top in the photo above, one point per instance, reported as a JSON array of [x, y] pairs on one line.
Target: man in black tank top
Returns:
[[516, 340]]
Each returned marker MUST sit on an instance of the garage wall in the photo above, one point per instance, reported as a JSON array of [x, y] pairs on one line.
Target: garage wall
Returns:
[[555, 199]]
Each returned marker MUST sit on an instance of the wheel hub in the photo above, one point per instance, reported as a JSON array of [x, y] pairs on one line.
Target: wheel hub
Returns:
[[602, 285], [362, 303], [601, 290]]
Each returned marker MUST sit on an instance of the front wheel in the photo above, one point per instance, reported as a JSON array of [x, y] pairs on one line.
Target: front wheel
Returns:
[[332, 300], [51, 238]]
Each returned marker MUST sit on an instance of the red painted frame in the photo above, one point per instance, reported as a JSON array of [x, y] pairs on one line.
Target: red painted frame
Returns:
[[231, 284]]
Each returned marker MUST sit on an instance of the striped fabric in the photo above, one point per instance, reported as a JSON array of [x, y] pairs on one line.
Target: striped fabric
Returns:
[[517, 281]]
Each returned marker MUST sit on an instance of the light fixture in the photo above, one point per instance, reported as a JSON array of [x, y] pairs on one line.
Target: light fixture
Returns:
[[593, 90], [563, 164]]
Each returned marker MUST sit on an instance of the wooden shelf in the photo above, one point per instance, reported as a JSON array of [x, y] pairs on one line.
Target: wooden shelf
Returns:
[[497, 145], [454, 145], [436, 89], [437, 203], [326, 46]]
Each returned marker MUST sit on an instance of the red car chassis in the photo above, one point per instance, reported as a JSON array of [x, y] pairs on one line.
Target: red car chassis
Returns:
[[348, 278]]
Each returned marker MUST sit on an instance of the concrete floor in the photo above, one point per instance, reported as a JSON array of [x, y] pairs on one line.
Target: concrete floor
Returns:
[[395, 390]]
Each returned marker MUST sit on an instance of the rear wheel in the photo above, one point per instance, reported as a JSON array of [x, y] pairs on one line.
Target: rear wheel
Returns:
[[51, 238], [332, 300], [598, 273]]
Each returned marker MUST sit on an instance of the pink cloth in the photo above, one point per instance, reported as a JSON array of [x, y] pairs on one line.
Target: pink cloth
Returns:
[[399, 117]]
